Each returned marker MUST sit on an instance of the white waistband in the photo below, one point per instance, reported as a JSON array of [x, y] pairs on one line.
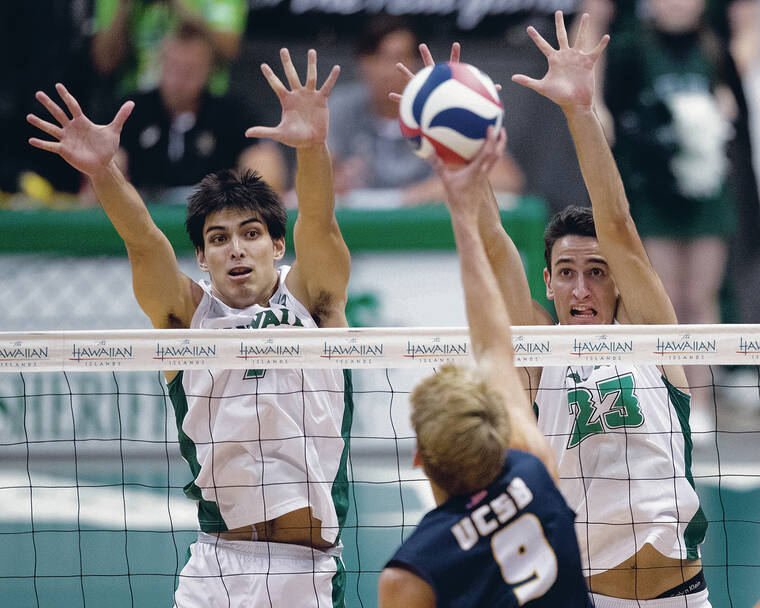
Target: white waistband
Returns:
[[693, 600], [263, 548]]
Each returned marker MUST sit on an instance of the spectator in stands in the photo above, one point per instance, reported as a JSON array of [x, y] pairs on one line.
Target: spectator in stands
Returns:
[[128, 35], [179, 132], [373, 163]]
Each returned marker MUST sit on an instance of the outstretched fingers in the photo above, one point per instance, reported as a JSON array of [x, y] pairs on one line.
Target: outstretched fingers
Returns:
[[456, 51], [427, 56], [580, 37], [262, 132], [559, 22], [492, 150], [311, 70], [71, 103], [290, 70], [526, 81], [599, 48], [330, 81], [44, 125], [43, 144], [274, 82], [55, 110], [121, 116], [543, 46]]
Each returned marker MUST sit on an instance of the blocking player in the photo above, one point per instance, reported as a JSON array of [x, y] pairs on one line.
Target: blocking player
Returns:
[[620, 433], [265, 447], [501, 535]]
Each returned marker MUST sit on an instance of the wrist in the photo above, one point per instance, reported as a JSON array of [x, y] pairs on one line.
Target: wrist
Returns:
[[107, 172]]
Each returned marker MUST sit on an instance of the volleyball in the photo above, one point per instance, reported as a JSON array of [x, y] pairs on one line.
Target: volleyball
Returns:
[[448, 107]]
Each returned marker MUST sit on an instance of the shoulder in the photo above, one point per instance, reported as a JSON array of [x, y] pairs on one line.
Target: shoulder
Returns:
[[400, 587]]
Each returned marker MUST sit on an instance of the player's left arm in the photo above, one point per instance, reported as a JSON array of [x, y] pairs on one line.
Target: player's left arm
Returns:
[[399, 588], [569, 82], [319, 276]]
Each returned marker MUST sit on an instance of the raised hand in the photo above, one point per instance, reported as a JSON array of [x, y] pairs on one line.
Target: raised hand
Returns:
[[427, 60], [80, 142], [569, 81], [467, 184], [305, 117]]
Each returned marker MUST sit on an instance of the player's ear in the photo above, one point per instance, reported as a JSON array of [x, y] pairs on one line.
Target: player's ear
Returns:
[[279, 248], [200, 257], [417, 462], [548, 281]]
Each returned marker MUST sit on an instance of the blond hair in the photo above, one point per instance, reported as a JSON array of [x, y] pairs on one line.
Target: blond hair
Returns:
[[462, 429]]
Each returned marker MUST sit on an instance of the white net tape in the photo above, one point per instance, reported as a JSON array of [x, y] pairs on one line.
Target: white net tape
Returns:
[[144, 350]]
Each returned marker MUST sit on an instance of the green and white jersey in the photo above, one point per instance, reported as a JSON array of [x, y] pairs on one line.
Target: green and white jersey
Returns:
[[622, 441], [263, 442]]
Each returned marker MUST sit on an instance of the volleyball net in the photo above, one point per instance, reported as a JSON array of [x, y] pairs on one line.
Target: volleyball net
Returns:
[[91, 485]]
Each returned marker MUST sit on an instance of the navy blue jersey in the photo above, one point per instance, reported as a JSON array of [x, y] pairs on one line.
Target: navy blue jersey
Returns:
[[512, 544]]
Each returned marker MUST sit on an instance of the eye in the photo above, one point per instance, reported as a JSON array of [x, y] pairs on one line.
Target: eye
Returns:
[[252, 234], [565, 272], [597, 272], [217, 239]]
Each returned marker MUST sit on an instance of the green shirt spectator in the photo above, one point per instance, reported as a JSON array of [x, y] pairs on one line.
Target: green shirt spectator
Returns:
[[128, 34]]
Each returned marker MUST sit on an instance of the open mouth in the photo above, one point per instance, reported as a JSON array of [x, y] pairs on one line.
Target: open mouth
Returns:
[[239, 271], [583, 313]]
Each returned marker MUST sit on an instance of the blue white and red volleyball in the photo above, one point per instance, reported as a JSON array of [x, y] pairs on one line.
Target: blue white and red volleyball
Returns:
[[448, 107]]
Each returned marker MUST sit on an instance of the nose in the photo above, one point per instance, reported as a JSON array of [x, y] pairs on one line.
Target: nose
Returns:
[[236, 248], [580, 289]]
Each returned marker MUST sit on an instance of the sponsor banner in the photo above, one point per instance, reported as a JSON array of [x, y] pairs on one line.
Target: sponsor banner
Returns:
[[372, 347], [28, 354], [468, 13]]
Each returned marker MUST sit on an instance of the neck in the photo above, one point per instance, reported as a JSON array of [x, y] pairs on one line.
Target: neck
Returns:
[[439, 494]]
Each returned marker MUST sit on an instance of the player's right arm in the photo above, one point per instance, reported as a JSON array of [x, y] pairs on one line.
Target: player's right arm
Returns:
[[488, 318], [570, 83], [166, 295]]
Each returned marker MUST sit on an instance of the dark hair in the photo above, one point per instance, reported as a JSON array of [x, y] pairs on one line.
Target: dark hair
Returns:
[[230, 190], [378, 28], [573, 219]]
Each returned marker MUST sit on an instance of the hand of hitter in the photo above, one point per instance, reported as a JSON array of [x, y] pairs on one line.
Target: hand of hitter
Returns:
[[467, 185]]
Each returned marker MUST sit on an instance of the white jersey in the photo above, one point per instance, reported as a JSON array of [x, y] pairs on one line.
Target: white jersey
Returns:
[[620, 434], [262, 443]]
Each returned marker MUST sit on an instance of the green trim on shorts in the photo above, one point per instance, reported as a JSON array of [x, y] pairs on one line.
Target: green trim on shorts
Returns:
[[339, 584], [695, 531], [209, 516]]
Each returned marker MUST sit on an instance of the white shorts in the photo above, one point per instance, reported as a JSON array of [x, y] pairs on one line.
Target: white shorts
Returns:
[[693, 600], [238, 574]]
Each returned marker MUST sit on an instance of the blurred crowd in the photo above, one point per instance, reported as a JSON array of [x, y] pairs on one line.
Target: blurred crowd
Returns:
[[680, 102]]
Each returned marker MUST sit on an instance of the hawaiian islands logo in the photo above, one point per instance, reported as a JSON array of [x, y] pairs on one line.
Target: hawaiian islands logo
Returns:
[[184, 353], [748, 347], [529, 350], [436, 350], [352, 351], [685, 348], [17, 355], [602, 347], [101, 354], [267, 352]]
